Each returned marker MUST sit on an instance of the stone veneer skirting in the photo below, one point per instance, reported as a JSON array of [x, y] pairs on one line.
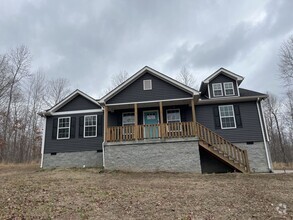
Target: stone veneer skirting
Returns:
[[74, 159], [176, 155], [256, 156]]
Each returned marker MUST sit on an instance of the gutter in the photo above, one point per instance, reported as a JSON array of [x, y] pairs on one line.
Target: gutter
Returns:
[[43, 143], [263, 135]]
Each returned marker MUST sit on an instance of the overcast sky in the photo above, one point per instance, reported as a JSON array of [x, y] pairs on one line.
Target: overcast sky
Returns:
[[87, 41]]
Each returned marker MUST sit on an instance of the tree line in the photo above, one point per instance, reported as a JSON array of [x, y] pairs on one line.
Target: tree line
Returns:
[[23, 93]]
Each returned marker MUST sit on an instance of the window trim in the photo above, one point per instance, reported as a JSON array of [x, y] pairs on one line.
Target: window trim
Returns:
[[64, 138], [84, 126], [123, 113], [225, 83], [170, 109], [227, 117], [144, 84], [180, 127], [213, 84]]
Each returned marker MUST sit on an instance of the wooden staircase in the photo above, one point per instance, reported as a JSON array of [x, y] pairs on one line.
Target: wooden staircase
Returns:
[[223, 149]]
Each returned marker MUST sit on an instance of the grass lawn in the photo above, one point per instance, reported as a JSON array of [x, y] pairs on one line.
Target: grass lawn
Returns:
[[29, 193]]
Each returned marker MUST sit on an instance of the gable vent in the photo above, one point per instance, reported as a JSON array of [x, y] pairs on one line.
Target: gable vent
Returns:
[[147, 84]]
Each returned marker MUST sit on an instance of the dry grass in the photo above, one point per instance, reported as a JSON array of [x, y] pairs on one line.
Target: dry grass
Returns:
[[28, 193], [282, 166]]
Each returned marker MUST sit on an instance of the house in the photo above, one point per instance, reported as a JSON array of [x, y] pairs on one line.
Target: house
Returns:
[[152, 122]]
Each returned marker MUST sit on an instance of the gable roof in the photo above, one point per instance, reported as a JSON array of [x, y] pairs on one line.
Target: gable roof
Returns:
[[225, 72], [70, 97], [153, 72]]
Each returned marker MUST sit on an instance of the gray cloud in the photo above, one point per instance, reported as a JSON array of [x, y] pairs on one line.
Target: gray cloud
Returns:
[[88, 41]]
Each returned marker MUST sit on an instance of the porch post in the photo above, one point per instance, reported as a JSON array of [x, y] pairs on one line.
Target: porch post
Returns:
[[135, 122], [162, 120], [193, 115], [105, 123]]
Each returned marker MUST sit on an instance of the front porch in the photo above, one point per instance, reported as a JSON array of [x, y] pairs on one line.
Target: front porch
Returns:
[[159, 120]]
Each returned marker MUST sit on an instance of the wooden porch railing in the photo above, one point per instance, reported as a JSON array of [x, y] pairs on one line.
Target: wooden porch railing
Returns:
[[139, 132], [223, 148]]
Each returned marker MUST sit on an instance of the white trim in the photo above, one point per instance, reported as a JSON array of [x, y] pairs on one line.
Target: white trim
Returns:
[[103, 148], [238, 88], [214, 84], [152, 71], [225, 72], [263, 135], [43, 143], [145, 84], [228, 99], [63, 128], [123, 113], [264, 120], [153, 101], [77, 112], [70, 97], [84, 126], [170, 109], [209, 92], [227, 117], [151, 111], [225, 83]]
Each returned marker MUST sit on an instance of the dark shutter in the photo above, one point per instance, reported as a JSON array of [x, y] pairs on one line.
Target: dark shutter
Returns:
[[54, 130], [217, 117], [72, 127], [81, 122], [100, 125], [237, 116]]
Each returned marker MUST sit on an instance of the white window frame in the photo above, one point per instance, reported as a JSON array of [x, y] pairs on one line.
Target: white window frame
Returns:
[[86, 126], [226, 83], [58, 128], [213, 85], [150, 83], [227, 117], [177, 109], [127, 124]]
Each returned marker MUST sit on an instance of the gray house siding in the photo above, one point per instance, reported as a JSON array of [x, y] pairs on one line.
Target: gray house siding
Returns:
[[79, 103], [76, 143], [161, 90], [250, 131], [115, 118], [222, 79]]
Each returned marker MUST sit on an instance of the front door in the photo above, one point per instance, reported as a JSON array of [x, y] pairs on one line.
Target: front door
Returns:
[[151, 122]]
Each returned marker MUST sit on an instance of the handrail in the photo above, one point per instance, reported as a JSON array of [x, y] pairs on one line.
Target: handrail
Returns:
[[223, 146], [151, 131]]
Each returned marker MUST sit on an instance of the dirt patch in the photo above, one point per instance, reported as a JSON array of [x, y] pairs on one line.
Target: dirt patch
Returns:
[[92, 194]]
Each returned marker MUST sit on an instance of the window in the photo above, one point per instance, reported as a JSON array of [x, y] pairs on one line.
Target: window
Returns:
[[229, 88], [173, 116], [90, 126], [147, 84], [63, 129], [217, 89], [128, 121], [128, 118], [227, 116]]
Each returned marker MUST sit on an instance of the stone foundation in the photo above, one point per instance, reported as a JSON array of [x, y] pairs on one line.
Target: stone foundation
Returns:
[[180, 155], [74, 159], [256, 156]]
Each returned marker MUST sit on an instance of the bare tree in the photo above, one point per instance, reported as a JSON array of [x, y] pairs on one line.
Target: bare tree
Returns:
[[4, 76], [18, 68], [286, 61], [185, 77], [57, 89], [119, 78]]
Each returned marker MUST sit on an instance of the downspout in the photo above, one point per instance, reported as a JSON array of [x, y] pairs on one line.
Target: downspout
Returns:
[[263, 135], [43, 141]]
